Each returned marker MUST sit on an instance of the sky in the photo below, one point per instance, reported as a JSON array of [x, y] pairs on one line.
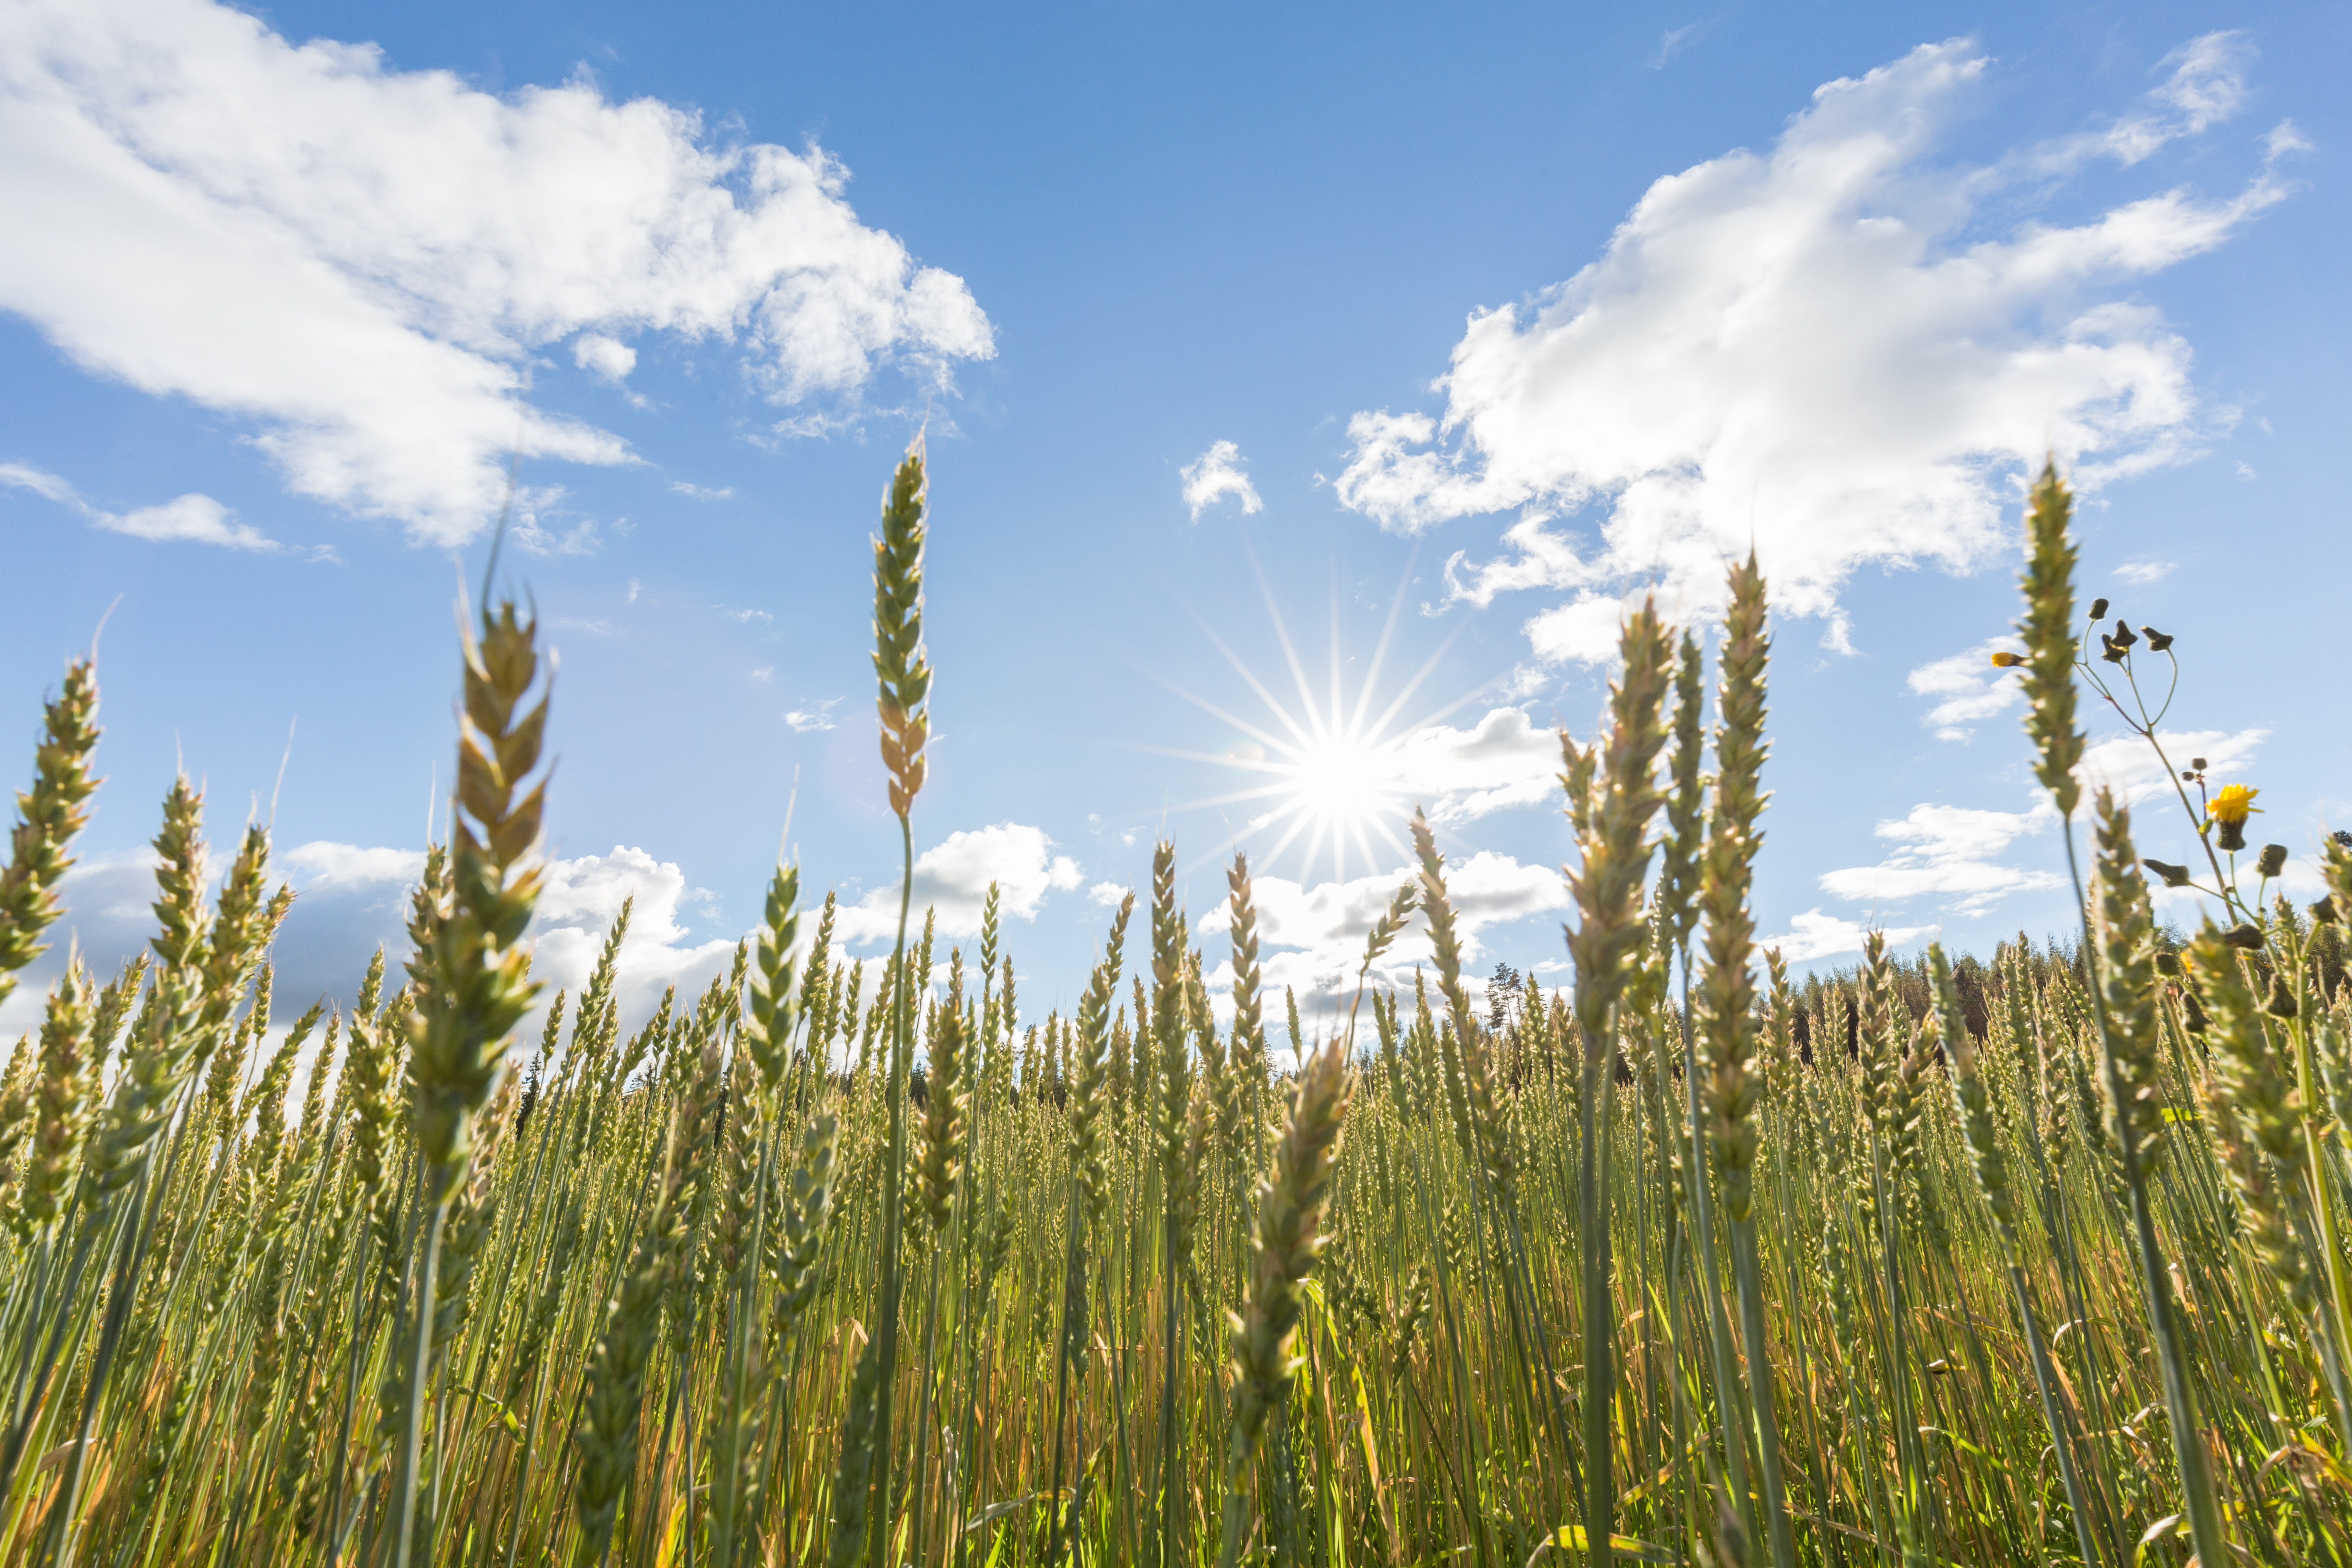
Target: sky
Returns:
[[1307, 393]]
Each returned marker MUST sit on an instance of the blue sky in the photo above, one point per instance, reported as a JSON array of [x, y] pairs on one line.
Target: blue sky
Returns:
[[1424, 334]]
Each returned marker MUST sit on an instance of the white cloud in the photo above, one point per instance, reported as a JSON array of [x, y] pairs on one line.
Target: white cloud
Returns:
[[531, 512], [1109, 895], [1503, 761], [2207, 87], [362, 261], [578, 902], [1813, 936], [353, 899], [322, 863], [2142, 573], [1676, 39], [951, 878], [40, 481], [1949, 851], [816, 716], [1314, 936], [1214, 475], [699, 492], [1954, 853], [2130, 765], [198, 519], [1815, 349], [604, 358], [1971, 686]]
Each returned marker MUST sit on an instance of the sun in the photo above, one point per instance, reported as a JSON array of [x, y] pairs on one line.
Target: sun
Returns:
[[1330, 772]]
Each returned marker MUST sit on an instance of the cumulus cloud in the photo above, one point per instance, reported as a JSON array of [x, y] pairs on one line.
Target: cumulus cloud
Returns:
[[1813, 936], [1958, 855], [1969, 686], [1949, 851], [603, 358], [1109, 895], [195, 518], [1314, 935], [1504, 759], [2130, 767], [353, 898], [362, 261], [1214, 475], [582, 896], [1820, 349], [952, 879], [2140, 573]]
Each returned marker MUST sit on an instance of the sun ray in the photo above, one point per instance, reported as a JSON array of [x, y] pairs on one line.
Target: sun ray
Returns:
[[1332, 774], [1301, 734], [1289, 651], [1380, 645]]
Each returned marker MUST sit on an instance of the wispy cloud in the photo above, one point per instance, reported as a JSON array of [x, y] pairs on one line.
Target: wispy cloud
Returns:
[[362, 261], [1949, 852], [699, 492], [1214, 475], [1971, 688], [1676, 39], [1959, 856], [192, 518], [814, 716], [1818, 348], [1813, 936], [2140, 573]]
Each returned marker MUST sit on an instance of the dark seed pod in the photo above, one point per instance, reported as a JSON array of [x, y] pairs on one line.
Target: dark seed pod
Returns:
[[2273, 861]]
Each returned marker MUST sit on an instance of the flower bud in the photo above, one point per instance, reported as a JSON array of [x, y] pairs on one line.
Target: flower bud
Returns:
[[2004, 660], [2124, 637], [2098, 609], [2168, 963], [2156, 641], [2233, 835], [2173, 876], [2323, 912], [2273, 860], [2248, 937], [2198, 764], [2281, 1004]]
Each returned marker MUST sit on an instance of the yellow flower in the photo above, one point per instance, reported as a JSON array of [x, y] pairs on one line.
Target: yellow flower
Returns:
[[2006, 660], [2233, 804], [2229, 809]]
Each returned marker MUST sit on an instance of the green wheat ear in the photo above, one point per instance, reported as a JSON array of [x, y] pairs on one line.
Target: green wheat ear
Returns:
[[48, 815], [899, 668], [1285, 1240], [2048, 630]]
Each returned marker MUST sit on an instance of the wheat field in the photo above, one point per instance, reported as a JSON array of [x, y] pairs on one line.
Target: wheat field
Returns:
[[2036, 1259]]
